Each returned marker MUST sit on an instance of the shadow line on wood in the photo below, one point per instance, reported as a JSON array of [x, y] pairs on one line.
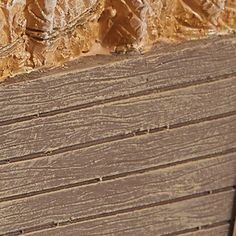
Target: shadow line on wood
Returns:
[[117, 176], [119, 98], [113, 138]]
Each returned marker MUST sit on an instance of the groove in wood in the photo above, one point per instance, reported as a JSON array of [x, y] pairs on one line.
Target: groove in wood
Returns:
[[154, 221], [93, 152], [119, 118], [69, 88], [124, 193], [147, 151]]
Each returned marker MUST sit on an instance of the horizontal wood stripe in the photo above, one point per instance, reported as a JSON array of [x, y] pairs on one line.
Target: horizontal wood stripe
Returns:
[[154, 221], [114, 158], [92, 80], [116, 194], [117, 119]]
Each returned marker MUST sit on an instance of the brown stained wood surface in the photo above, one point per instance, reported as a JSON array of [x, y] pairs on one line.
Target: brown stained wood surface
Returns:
[[118, 194], [115, 119], [159, 220], [122, 145], [90, 81], [222, 230], [147, 151]]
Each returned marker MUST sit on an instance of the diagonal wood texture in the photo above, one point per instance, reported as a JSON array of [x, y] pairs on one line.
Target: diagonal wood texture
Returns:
[[147, 151], [92, 80], [115, 119], [158, 220], [122, 144], [119, 194]]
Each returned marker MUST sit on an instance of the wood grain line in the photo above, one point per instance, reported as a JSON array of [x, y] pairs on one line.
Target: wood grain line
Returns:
[[132, 192], [218, 228], [138, 208], [118, 176], [114, 138], [119, 118], [73, 87], [73, 222], [119, 157], [117, 99]]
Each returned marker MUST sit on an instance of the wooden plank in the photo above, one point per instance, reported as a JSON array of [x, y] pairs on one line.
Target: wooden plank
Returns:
[[160, 220], [222, 230], [118, 194], [87, 81], [117, 119], [132, 154]]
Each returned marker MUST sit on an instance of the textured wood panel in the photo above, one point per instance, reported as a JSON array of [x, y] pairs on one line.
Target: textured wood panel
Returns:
[[113, 158], [118, 118], [122, 145], [122, 193], [154, 221], [222, 230], [92, 80]]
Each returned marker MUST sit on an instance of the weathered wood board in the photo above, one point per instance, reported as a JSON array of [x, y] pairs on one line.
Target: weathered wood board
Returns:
[[148, 151], [122, 145], [159, 220], [118, 194], [97, 80]]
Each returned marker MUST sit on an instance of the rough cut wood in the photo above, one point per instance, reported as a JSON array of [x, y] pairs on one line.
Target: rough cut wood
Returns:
[[222, 230], [122, 193], [118, 118], [80, 84], [154, 221], [135, 153], [149, 150]]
